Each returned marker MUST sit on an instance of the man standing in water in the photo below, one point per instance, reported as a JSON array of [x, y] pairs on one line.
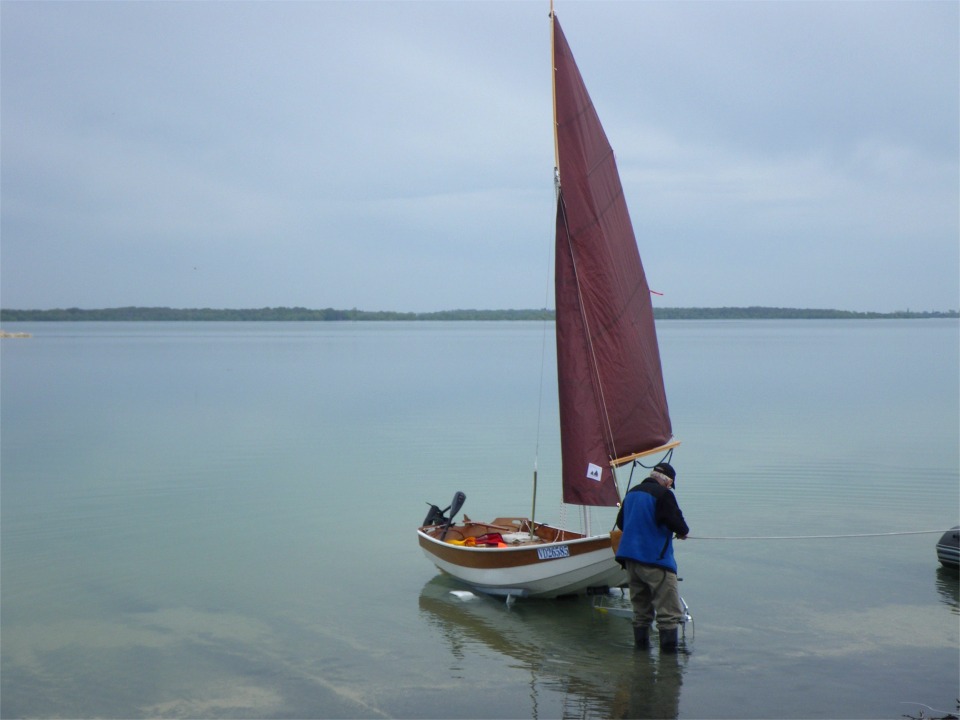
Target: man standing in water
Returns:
[[649, 517]]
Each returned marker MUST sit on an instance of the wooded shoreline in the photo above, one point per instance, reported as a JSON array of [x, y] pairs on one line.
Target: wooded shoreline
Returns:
[[285, 314]]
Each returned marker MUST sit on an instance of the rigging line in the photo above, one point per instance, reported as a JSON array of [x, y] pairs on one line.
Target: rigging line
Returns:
[[813, 537], [546, 286], [543, 365], [543, 344], [590, 346]]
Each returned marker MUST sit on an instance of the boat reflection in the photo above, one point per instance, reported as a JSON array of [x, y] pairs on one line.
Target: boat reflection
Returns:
[[948, 587], [566, 647]]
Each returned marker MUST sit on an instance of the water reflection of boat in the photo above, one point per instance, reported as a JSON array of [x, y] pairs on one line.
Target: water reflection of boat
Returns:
[[565, 646], [948, 548], [948, 587]]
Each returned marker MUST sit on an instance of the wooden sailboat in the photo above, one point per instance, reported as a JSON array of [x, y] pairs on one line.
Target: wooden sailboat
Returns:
[[613, 408]]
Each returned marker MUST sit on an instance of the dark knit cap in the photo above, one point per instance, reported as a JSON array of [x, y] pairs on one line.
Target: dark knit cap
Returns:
[[666, 469]]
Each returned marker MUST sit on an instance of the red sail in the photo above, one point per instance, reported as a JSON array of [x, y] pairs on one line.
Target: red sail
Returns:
[[612, 400]]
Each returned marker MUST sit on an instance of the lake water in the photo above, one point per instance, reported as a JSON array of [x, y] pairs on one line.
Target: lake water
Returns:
[[218, 520]]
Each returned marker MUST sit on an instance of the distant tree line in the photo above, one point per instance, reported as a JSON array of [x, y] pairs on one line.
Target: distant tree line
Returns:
[[142, 314], [774, 313]]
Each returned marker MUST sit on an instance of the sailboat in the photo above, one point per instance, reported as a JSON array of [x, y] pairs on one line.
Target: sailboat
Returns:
[[613, 406]]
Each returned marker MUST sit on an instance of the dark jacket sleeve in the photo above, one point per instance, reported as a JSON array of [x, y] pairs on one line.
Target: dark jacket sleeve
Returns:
[[669, 514]]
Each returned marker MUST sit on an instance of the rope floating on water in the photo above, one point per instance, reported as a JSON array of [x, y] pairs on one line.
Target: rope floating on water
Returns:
[[815, 537]]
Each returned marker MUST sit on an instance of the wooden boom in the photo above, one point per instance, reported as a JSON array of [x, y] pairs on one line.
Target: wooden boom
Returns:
[[617, 462]]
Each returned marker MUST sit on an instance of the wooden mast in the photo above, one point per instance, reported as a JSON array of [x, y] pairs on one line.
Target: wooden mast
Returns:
[[556, 179], [553, 86]]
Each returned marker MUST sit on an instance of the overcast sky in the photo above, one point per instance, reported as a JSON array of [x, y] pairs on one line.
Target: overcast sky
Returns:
[[399, 155]]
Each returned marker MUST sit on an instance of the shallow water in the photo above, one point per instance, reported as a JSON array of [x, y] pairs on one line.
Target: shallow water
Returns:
[[217, 520]]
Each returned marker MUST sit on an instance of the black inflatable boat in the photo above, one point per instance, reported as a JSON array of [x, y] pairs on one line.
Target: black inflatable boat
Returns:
[[948, 548]]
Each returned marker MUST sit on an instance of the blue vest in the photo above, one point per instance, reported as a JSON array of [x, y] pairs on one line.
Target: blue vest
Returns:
[[643, 540]]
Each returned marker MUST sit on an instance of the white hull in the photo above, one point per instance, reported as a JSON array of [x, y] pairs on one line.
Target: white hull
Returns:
[[544, 570]]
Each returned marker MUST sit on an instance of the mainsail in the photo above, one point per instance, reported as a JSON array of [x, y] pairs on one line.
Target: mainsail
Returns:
[[612, 399]]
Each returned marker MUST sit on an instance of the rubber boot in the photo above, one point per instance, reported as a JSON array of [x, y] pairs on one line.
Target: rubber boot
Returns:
[[668, 641], [641, 637]]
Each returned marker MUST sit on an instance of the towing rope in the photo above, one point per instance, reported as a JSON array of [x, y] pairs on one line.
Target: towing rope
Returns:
[[814, 537]]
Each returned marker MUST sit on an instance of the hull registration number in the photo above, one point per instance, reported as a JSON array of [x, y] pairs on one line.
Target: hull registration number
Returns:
[[552, 553]]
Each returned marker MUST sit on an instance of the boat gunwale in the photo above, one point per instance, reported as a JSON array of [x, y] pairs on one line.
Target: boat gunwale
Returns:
[[524, 546]]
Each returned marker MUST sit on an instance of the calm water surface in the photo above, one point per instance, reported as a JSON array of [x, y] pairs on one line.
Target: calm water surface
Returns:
[[217, 520]]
